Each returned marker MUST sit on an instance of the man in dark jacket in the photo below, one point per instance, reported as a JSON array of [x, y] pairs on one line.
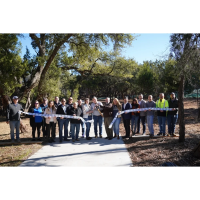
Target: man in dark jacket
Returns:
[[62, 110], [56, 104], [126, 117], [172, 116], [75, 123], [13, 118], [107, 114]]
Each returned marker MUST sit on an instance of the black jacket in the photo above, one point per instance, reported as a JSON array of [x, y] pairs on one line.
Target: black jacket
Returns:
[[57, 104], [60, 110], [69, 107], [78, 113], [12, 112], [173, 104]]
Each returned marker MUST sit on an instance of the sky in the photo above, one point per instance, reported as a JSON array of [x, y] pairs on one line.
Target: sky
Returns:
[[144, 47]]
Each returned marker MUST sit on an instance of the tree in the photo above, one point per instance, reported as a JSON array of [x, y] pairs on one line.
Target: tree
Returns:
[[185, 50], [80, 45]]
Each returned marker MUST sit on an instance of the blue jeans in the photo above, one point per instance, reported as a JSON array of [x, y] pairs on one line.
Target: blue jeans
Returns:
[[161, 123], [150, 123], [97, 119], [134, 120], [88, 125], [72, 127], [63, 122], [13, 125], [116, 125], [172, 119], [83, 128]]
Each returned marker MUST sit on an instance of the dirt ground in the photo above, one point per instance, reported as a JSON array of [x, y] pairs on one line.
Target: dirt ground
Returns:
[[14, 155], [148, 152], [154, 152]]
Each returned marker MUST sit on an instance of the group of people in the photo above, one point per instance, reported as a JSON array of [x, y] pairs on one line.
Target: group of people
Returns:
[[140, 116], [94, 110]]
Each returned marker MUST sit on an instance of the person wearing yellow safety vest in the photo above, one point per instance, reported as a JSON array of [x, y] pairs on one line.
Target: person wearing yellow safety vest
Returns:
[[162, 114]]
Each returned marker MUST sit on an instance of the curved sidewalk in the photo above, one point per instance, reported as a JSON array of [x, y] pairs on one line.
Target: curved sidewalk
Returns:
[[98, 152]]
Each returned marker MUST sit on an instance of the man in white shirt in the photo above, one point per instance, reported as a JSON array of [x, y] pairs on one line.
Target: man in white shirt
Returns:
[[95, 106]]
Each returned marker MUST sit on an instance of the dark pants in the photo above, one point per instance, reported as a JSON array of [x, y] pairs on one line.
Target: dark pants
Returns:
[[51, 128], [109, 131], [127, 126], [38, 126], [172, 119], [44, 128], [142, 119]]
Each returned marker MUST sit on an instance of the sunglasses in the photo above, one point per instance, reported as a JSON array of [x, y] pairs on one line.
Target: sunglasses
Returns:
[[36, 103]]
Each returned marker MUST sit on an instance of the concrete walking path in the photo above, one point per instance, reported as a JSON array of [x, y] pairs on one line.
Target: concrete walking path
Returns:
[[98, 152]]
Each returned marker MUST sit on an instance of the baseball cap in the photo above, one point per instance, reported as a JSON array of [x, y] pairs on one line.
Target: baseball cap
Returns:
[[15, 97], [172, 93]]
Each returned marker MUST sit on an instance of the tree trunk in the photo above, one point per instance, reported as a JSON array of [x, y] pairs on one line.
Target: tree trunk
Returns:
[[28, 102], [181, 111]]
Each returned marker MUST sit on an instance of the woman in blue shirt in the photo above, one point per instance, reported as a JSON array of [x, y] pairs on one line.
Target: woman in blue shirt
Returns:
[[36, 120]]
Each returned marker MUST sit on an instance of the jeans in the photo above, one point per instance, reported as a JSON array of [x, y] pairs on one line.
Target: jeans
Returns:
[[97, 119], [34, 127], [64, 122], [142, 119], [172, 119], [116, 125], [72, 128], [83, 128], [161, 123], [134, 120], [88, 125], [150, 123], [13, 125]]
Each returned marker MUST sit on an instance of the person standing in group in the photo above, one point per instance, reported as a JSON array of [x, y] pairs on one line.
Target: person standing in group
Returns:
[[95, 106], [56, 104], [75, 123], [35, 121], [126, 117], [13, 118], [82, 124], [50, 121], [44, 105], [135, 116], [116, 109], [150, 114], [62, 110], [142, 115], [69, 107], [86, 108], [172, 116], [161, 114], [107, 113]]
